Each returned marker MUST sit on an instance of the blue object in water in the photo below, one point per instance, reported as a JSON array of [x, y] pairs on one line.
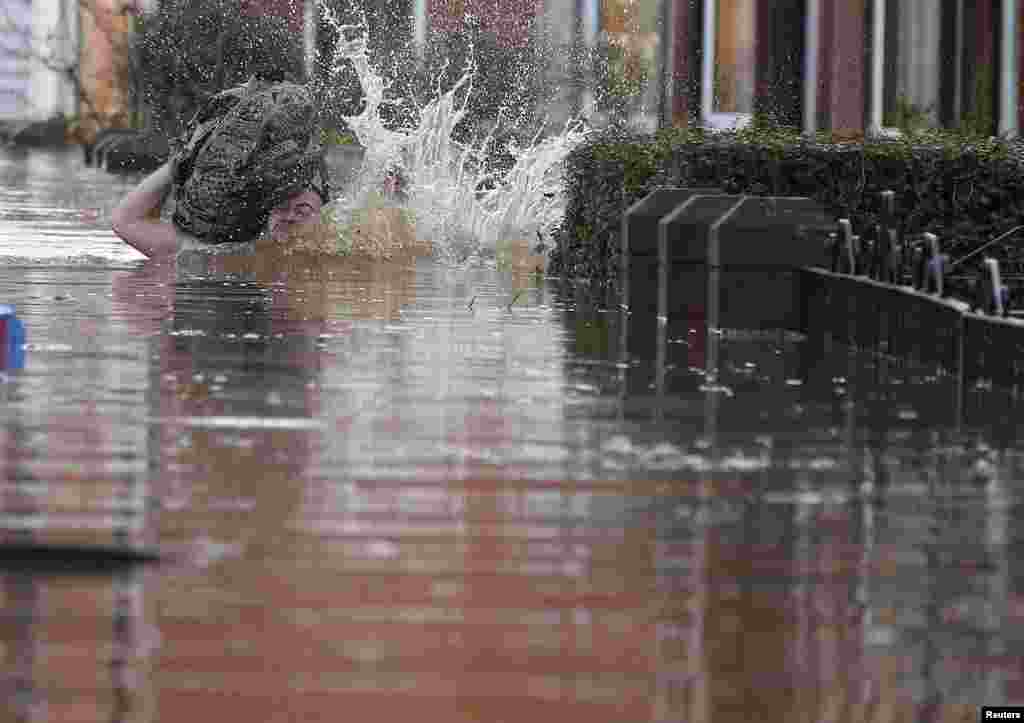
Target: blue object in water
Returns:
[[12, 339], [16, 344]]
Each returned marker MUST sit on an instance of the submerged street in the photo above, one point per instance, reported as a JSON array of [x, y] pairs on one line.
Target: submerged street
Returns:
[[447, 493]]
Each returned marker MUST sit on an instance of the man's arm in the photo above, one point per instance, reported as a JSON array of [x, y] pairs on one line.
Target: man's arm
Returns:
[[133, 219]]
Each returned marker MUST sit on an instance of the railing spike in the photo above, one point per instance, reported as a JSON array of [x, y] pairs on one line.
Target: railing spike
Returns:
[[919, 264], [893, 266], [934, 271], [880, 259], [846, 243], [833, 250], [888, 205], [995, 287], [886, 235]]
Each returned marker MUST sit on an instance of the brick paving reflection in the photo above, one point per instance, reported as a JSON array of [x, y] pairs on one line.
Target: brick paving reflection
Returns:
[[299, 589]]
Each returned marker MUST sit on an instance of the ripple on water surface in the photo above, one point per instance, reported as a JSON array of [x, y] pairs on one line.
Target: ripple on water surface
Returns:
[[376, 496]]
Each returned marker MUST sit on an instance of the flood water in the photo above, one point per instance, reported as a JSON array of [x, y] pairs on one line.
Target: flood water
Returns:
[[440, 494]]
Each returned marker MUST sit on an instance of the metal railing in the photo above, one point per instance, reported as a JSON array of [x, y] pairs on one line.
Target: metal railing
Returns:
[[984, 246], [895, 296], [920, 263]]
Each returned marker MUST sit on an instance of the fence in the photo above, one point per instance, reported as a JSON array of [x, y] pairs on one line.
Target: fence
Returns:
[[758, 262], [894, 296]]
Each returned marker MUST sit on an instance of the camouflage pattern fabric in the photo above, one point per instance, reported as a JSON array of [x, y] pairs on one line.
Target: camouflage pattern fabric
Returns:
[[246, 151]]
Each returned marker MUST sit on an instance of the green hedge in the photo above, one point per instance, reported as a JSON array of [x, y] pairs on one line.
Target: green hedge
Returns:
[[964, 189]]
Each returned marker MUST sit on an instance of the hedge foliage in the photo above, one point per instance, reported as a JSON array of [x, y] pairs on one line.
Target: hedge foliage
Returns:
[[186, 51], [964, 189]]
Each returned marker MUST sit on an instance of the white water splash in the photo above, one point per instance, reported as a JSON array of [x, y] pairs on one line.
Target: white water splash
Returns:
[[443, 176]]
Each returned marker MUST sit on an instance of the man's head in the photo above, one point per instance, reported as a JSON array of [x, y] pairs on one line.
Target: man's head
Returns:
[[294, 211]]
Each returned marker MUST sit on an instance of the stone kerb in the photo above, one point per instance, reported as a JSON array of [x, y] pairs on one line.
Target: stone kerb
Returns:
[[678, 241], [755, 232], [752, 262], [897, 322], [747, 250], [640, 222], [694, 257], [902, 322], [638, 273]]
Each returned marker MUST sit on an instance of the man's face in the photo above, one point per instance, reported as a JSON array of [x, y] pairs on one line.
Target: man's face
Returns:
[[295, 211]]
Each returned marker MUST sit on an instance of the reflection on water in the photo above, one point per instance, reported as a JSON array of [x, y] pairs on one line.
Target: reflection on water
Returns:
[[77, 647], [404, 490]]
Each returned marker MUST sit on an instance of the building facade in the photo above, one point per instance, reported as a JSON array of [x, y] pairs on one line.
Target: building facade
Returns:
[[864, 66], [37, 38], [860, 67], [66, 58]]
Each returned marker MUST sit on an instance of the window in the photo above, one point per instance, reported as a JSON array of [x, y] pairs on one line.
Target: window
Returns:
[[730, 62], [631, 32], [935, 63], [734, 57], [758, 56], [907, 73]]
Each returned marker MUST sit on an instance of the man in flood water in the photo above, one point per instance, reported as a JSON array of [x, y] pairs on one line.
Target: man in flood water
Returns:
[[250, 164], [136, 218]]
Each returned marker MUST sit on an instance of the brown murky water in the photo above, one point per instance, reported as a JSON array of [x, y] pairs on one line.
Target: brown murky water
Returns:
[[413, 492]]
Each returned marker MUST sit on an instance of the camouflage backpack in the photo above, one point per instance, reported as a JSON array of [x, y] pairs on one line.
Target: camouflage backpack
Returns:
[[246, 151]]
